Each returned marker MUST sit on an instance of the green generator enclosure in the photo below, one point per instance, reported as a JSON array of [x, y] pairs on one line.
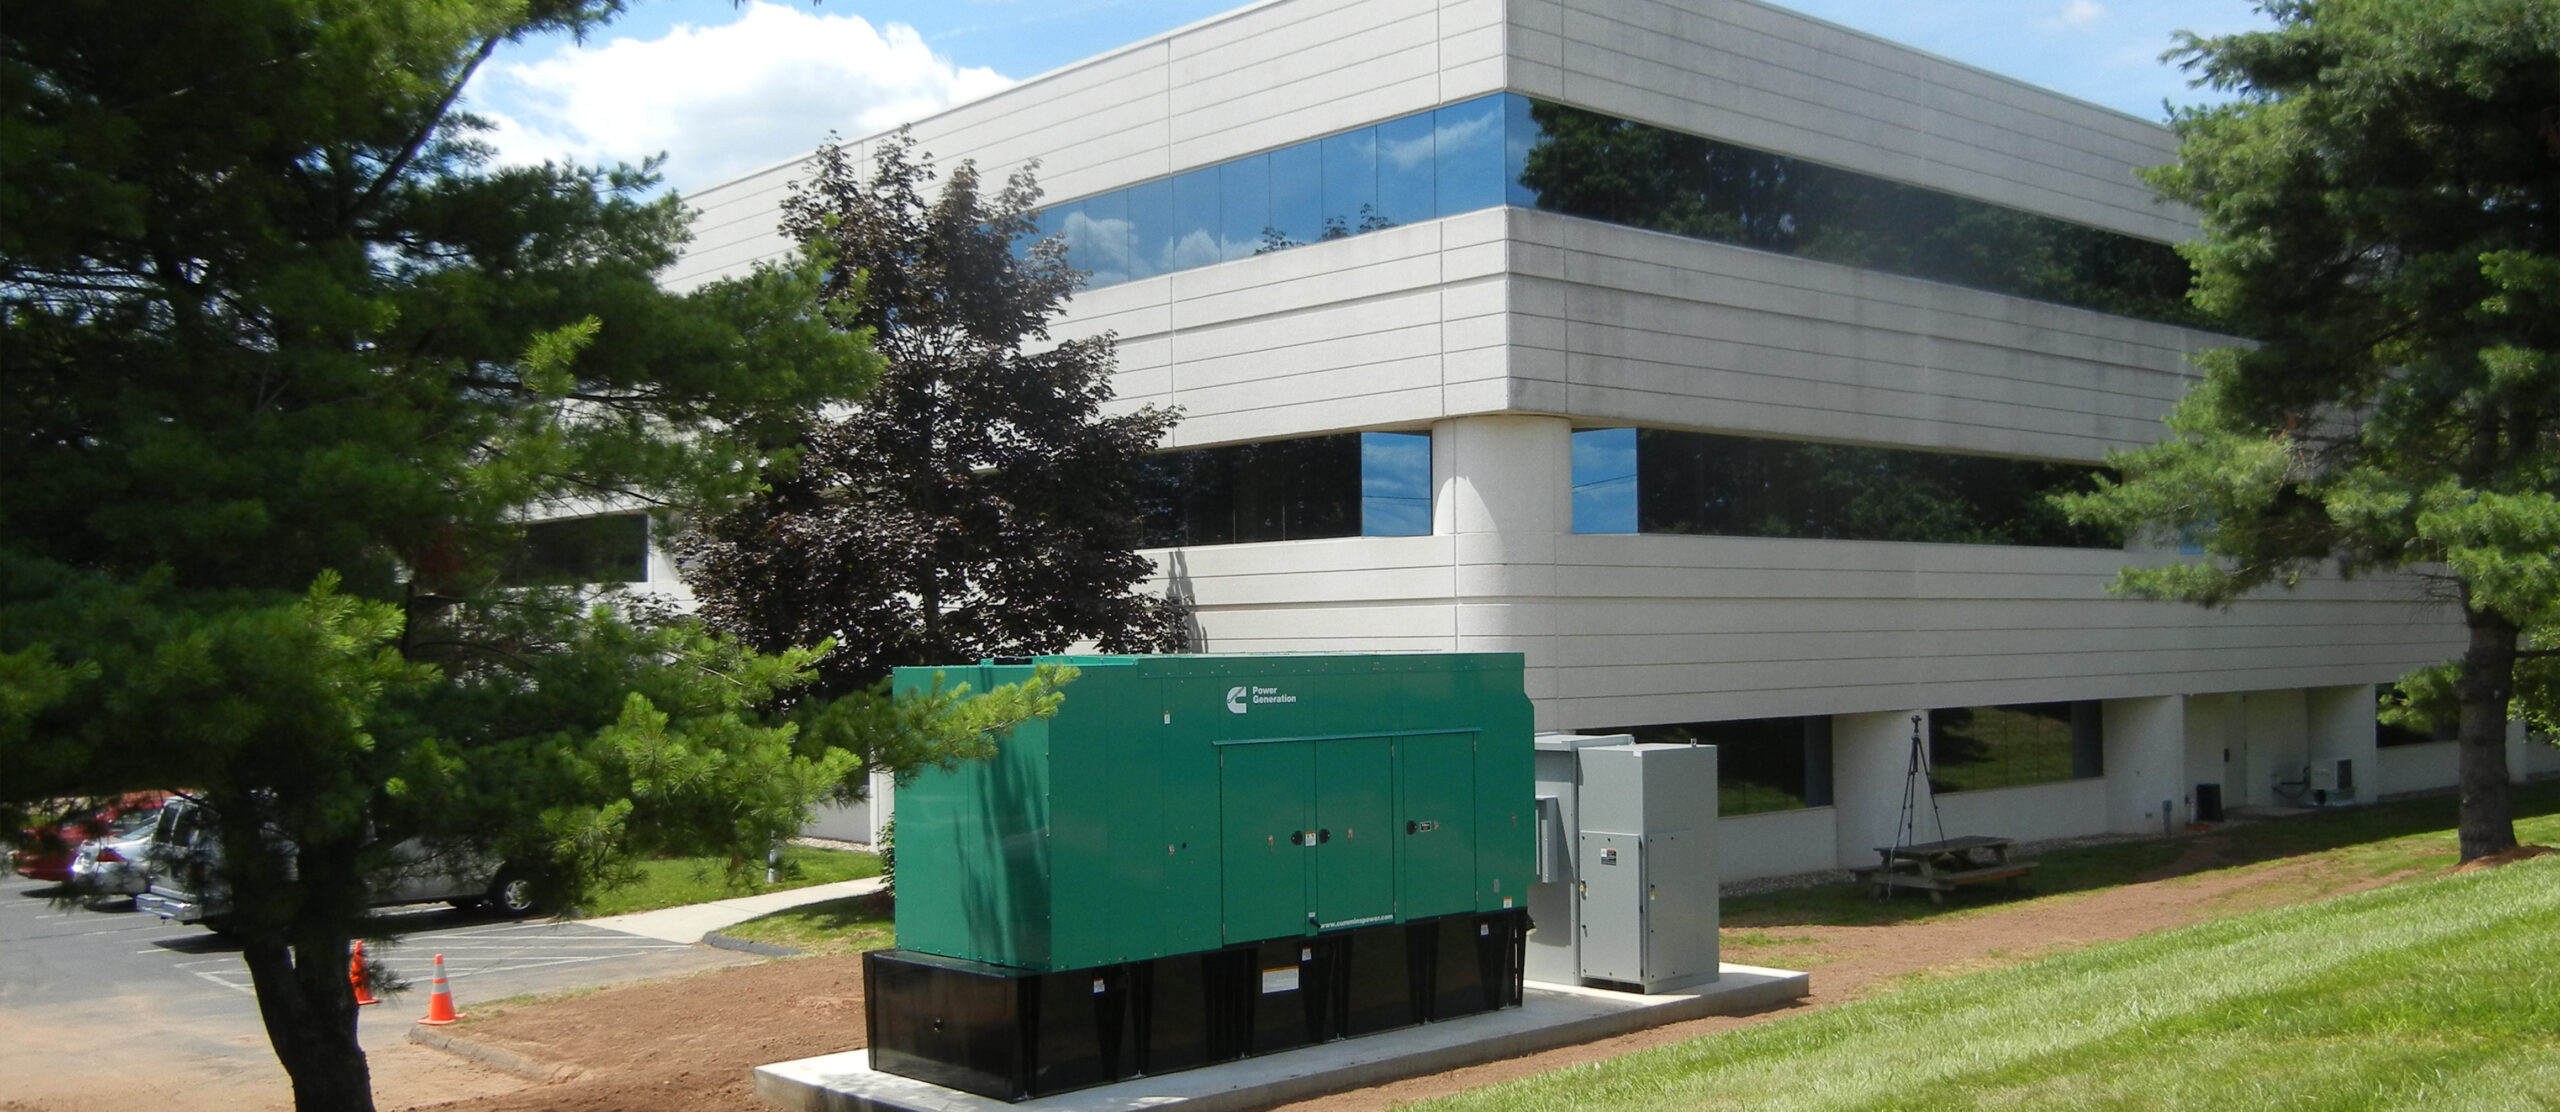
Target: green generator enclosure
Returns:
[[1179, 804]]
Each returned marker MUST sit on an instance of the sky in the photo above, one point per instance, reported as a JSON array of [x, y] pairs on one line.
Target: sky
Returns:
[[725, 89]]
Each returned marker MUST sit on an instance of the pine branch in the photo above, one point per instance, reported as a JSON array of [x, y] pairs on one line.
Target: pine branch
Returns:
[[399, 163]]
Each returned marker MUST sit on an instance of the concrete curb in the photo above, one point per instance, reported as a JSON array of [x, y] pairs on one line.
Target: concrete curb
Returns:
[[720, 941], [1552, 1016], [495, 1057]]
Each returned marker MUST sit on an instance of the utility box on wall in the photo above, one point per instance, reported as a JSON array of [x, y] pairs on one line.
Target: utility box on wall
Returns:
[[1201, 858], [1628, 863]]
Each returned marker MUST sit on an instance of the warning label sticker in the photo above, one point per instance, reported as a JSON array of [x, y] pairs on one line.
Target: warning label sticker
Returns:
[[1283, 979]]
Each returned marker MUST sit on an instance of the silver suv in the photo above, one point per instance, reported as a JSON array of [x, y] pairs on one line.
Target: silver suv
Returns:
[[183, 856]]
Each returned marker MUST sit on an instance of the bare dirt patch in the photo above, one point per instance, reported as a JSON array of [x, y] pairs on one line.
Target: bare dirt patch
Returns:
[[681, 1045], [2507, 857]]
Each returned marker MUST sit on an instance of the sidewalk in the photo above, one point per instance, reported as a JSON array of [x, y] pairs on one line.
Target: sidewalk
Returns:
[[690, 923]]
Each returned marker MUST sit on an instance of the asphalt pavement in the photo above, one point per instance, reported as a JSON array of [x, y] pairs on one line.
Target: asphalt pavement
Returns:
[[77, 978]]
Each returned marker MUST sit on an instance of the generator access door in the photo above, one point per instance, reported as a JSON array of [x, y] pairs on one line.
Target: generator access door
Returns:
[[1308, 835], [1437, 825], [1266, 812], [1355, 857]]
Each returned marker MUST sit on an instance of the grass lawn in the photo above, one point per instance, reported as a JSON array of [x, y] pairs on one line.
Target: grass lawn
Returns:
[[677, 881], [847, 926], [2378, 840], [2442, 993]]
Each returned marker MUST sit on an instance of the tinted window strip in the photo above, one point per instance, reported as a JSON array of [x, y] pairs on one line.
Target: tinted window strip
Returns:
[[1508, 149], [1671, 481]]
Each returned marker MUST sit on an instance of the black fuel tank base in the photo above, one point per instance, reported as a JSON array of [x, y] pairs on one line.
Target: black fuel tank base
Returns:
[[1013, 1035]]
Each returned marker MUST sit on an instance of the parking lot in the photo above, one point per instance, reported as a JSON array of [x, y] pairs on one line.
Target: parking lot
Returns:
[[103, 1007]]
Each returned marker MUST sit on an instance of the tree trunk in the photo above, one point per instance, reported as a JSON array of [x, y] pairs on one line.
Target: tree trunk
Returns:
[[2482, 688], [310, 1014]]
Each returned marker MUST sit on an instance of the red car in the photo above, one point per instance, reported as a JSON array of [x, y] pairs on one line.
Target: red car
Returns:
[[45, 852]]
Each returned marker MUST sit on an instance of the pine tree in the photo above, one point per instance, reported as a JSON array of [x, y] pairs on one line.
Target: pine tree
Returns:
[[2381, 208], [284, 365]]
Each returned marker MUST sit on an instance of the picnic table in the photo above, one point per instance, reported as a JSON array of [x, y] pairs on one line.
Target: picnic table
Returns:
[[1944, 866]]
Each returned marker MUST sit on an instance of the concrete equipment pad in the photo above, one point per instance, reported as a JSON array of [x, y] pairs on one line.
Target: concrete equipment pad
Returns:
[[1550, 1016]]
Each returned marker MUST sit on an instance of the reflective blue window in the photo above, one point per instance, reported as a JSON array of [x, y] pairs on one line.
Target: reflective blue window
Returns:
[[1051, 221], [1297, 197], [1467, 146], [1098, 238], [1151, 229], [1520, 134], [1604, 481], [1395, 484], [1195, 220], [1350, 183], [1244, 205], [1406, 192], [1507, 149]]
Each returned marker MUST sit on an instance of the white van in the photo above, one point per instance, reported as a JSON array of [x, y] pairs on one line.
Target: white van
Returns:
[[183, 855]]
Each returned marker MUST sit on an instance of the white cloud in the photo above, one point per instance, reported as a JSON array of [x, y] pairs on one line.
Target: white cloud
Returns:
[[723, 100], [2079, 12]]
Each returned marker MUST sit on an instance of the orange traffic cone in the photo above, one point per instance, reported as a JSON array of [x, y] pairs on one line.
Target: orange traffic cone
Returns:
[[440, 1002], [356, 978]]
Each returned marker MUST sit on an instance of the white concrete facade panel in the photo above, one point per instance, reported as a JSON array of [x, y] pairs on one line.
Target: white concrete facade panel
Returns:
[[1716, 628], [2144, 767], [1778, 843], [2419, 768], [1655, 329]]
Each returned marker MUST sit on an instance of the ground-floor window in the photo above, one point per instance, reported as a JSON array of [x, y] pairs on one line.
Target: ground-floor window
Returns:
[[1976, 748], [1762, 764], [2388, 734]]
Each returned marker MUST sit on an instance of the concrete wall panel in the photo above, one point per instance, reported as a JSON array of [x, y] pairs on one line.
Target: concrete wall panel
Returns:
[[1647, 328], [2341, 727], [2417, 768], [2145, 757], [1778, 843], [1641, 630]]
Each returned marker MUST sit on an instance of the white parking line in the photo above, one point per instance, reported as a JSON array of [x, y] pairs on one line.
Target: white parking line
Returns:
[[236, 979], [539, 930], [619, 947], [121, 928], [225, 972], [453, 974]]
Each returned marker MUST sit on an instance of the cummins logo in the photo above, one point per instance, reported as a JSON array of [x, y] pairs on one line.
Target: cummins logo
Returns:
[[1242, 699]]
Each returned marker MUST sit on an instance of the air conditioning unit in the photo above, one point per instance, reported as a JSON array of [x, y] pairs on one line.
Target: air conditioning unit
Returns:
[[2334, 779]]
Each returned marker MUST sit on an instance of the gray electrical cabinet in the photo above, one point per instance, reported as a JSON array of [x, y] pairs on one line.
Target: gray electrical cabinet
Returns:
[[1555, 941], [1626, 863]]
